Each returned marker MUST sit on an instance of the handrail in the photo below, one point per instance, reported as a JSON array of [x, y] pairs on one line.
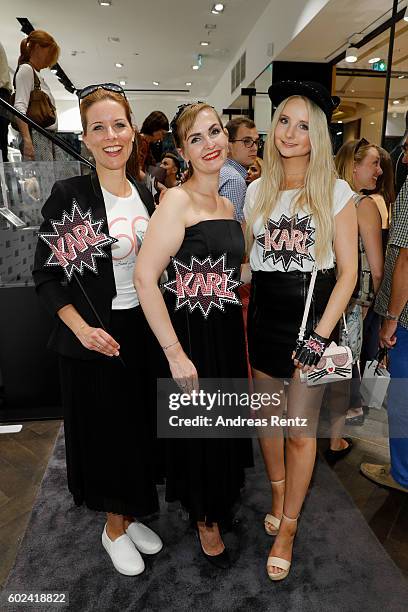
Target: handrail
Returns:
[[55, 139]]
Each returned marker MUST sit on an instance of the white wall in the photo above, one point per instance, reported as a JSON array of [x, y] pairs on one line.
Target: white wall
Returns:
[[270, 28]]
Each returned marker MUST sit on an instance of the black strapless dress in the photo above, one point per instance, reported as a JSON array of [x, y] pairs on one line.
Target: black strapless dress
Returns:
[[206, 475]]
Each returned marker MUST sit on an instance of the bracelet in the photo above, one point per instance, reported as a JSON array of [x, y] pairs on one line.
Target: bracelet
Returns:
[[81, 327], [170, 345], [390, 317]]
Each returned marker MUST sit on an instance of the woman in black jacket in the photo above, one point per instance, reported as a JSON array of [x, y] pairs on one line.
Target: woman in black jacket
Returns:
[[108, 391]]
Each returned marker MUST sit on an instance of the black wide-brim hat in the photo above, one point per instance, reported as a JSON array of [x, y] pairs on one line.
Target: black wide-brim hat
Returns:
[[316, 92]]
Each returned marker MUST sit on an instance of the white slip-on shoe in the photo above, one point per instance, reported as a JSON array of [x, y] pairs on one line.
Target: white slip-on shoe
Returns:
[[144, 538], [125, 557]]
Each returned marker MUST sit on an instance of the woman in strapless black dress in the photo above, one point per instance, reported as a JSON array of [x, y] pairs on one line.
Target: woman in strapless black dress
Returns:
[[206, 342]]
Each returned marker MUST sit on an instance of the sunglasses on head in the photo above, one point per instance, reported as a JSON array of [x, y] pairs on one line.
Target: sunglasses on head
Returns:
[[90, 89], [363, 142]]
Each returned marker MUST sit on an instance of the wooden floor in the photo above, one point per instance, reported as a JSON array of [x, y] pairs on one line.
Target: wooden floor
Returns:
[[24, 457]]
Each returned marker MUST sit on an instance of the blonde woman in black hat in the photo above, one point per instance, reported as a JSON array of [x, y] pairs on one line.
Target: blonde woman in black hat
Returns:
[[298, 215]]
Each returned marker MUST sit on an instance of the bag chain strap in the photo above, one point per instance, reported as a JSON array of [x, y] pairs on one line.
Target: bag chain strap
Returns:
[[308, 302]]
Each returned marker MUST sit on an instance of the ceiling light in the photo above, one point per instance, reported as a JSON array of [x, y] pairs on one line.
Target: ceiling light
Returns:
[[373, 60], [195, 67], [104, 2], [351, 55], [119, 65], [204, 43], [340, 121], [339, 133], [122, 82], [372, 123], [353, 90], [214, 12], [401, 76], [219, 7], [156, 83], [188, 84], [396, 102]]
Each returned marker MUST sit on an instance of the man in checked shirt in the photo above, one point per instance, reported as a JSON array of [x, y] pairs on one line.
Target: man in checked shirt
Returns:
[[392, 304], [243, 146]]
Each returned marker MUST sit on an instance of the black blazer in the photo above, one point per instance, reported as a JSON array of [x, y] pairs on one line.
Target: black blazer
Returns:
[[50, 282]]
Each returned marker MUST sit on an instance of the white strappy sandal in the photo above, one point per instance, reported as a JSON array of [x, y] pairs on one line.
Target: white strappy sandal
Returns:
[[283, 564], [270, 519]]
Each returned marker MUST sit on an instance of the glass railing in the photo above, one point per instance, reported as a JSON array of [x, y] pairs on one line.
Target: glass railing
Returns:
[[24, 188]]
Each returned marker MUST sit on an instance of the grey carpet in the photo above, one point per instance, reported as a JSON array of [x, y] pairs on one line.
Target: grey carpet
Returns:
[[338, 563]]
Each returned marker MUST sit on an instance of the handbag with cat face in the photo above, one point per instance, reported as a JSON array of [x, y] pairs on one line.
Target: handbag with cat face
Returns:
[[336, 362]]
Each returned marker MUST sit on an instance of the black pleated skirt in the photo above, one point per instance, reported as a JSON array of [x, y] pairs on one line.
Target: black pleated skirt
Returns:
[[109, 419], [275, 312]]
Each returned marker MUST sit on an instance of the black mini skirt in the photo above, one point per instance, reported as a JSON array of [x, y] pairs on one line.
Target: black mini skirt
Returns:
[[275, 312]]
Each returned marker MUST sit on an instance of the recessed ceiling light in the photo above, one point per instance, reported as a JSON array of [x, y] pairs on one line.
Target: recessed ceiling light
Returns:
[[188, 84], [204, 43], [396, 102], [340, 121], [372, 123], [104, 2], [195, 67], [373, 60], [353, 90], [339, 133], [118, 64], [156, 83], [122, 82], [219, 7]]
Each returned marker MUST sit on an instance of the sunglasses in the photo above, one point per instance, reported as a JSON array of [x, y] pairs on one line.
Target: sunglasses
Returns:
[[90, 89], [363, 142]]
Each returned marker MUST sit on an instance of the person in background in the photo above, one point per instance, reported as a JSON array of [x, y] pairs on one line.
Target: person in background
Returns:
[[384, 197], [392, 304], [107, 372], [154, 128], [384, 194], [37, 51], [5, 92], [171, 164], [358, 162], [243, 146], [254, 170]]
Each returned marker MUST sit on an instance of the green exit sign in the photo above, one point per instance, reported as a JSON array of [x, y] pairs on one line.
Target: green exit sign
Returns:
[[380, 66]]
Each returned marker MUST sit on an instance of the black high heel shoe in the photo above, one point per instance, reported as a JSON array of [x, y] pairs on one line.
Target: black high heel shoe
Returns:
[[221, 561]]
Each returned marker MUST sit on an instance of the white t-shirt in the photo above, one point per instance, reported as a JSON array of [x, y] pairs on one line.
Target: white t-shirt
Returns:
[[287, 241], [25, 85], [127, 221]]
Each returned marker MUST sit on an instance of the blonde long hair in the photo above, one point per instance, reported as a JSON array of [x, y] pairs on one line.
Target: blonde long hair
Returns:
[[317, 193]]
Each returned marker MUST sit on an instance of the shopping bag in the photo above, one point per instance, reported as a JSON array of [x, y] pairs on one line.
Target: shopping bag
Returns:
[[374, 383]]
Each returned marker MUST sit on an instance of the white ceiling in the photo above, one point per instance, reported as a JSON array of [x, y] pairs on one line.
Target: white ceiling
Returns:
[[326, 36], [165, 34]]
